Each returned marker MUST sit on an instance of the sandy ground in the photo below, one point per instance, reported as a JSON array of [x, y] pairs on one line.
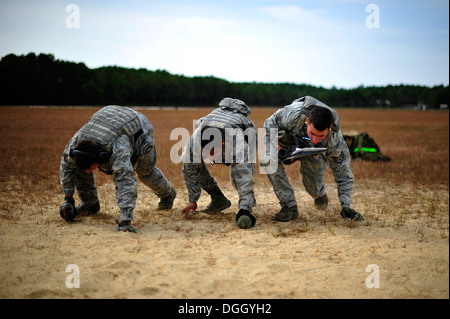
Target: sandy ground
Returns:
[[405, 235]]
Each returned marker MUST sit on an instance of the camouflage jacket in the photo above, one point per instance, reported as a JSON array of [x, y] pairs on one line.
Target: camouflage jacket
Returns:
[[122, 132], [291, 119], [231, 114]]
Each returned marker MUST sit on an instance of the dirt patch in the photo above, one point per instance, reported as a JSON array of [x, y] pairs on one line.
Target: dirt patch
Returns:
[[405, 235]]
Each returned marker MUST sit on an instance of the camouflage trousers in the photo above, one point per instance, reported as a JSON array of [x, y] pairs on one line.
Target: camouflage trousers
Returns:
[[148, 174], [312, 170], [241, 177]]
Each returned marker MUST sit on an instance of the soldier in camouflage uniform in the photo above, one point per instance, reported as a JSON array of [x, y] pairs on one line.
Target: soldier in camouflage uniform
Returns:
[[307, 122], [227, 136], [118, 141]]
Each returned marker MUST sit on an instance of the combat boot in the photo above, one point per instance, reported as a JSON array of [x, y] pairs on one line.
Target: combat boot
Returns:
[[86, 210], [218, 202], [321, 203], [286, 214], [167, 202]]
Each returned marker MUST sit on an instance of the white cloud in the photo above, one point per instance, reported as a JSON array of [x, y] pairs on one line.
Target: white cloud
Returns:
[[237, 49], [227, 48], [296, 14]]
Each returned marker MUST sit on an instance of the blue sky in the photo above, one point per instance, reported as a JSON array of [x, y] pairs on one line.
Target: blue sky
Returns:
[[323, 43]]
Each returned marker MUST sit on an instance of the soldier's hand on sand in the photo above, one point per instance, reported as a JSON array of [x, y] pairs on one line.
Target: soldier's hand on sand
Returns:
[[245, 219], [191, 207], [67, 210]]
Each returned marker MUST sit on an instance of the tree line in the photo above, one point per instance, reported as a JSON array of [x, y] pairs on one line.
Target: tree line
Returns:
[[43, 80]]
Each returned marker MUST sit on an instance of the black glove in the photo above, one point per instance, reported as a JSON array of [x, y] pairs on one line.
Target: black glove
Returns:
[[290, 161], [67, 210], [286, 152], [243, 212], [126, 227], [283, 153], [347, 212]]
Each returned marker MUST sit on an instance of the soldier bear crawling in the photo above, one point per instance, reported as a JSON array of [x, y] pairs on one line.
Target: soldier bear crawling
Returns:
[[226, 136], [307, 122], [118, 141]]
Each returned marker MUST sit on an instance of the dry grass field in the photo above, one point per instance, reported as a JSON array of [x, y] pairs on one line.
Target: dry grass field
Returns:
[[405, 203]]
